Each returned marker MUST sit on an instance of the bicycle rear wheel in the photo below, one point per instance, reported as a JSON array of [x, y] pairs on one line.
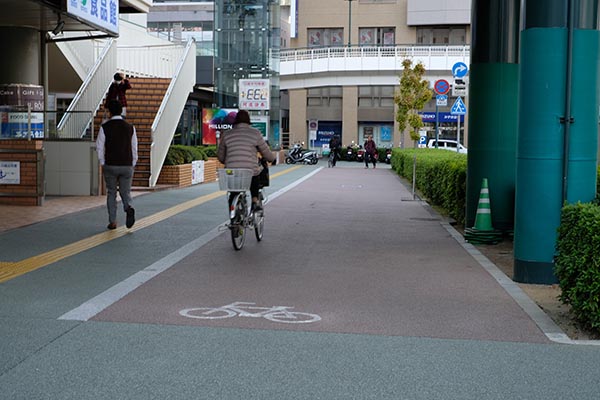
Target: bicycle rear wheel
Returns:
[[236, 226], [259, 218]]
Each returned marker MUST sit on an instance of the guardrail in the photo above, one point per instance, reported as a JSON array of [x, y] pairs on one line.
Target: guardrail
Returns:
[[367, 58]]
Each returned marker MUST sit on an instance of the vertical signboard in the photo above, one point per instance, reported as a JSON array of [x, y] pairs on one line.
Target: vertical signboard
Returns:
[[254, 94]]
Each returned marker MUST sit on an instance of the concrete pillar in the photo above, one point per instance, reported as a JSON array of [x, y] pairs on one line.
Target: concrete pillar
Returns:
[[349, 115], [493, 108], [21, 54], [556, 159], [298, 121]]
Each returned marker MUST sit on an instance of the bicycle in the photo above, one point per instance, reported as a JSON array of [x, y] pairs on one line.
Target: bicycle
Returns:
[[242, 309], [236, 181]]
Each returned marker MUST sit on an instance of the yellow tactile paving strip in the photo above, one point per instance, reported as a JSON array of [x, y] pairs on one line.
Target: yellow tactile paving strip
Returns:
[[10, 270]]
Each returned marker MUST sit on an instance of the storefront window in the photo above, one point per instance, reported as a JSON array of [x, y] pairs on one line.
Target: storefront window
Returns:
[[325, 37], [377, 36], [442, 35]]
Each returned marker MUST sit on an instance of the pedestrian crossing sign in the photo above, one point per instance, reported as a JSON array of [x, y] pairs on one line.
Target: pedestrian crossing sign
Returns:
[[458, 108]]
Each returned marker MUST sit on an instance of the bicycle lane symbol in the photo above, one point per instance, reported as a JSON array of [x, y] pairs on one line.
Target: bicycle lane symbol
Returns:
[[244, 309]]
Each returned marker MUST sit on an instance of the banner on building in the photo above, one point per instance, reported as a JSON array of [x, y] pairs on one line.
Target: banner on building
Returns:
[[215, 121], [103, 14]]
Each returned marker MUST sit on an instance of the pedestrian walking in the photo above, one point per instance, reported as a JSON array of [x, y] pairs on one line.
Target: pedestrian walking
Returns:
[[117, 91], [117, 152], [334, 146], [371, 152]]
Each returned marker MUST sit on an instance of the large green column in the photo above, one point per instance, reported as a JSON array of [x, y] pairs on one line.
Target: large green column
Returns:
[[493, 108], [557, 116]]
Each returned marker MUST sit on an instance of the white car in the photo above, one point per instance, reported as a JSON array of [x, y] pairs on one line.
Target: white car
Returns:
[[447, 144]]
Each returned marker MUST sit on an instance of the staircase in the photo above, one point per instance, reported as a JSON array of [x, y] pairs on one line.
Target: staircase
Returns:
[[143, 101]]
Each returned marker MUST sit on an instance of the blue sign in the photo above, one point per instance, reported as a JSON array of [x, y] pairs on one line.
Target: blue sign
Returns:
[[459, 69], [423, 140], [458, 108], [386, 133], [444, 117]]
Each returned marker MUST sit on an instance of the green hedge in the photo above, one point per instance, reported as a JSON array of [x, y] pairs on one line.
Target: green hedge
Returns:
[[179, 154], [577, 263], [441, 176]]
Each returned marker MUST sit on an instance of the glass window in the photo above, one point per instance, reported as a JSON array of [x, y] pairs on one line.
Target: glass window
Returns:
[[324, 37], [442, 35], [377, 36]]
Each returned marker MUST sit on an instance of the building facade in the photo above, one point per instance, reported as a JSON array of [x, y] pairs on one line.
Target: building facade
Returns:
[[356, 99]]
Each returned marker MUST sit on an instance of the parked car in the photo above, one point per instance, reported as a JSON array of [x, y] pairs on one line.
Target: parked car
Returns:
[[447, 144]]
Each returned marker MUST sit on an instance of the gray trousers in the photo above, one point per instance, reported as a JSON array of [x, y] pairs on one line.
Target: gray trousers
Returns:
[[117, 177]]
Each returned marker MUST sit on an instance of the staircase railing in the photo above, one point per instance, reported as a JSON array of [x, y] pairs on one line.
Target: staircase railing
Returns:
[[167, 118], [152, 61], [81, 111]]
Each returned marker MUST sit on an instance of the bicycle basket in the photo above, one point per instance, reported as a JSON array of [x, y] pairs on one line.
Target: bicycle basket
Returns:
[[235, 179]]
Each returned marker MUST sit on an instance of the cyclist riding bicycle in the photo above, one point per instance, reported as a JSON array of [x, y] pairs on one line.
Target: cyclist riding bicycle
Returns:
[[238, 149]]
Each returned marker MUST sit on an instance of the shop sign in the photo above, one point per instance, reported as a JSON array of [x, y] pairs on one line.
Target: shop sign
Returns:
[[100, 13], [254, 94]]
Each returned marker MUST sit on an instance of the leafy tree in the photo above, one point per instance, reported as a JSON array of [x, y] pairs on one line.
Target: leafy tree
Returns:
[[411, 97]]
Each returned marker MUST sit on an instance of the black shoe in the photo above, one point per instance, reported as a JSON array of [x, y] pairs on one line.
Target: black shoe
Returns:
[[112, 226], [130, 217]]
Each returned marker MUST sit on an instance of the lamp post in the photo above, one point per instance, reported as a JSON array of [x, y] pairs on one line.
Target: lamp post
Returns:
[[349, 20]]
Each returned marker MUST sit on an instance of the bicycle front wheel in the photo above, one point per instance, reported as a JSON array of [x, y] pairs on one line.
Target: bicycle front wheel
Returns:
[[236, 226], [259, 218]]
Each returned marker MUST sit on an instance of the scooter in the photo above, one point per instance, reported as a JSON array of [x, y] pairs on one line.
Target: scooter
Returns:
[[388, 155], [350, 153], [360, 154], [298, 155]]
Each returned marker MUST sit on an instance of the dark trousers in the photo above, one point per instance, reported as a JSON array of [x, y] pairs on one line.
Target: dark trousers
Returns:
[[370, 158]]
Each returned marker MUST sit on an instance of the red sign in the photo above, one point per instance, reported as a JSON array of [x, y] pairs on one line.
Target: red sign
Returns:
[[441, 86]]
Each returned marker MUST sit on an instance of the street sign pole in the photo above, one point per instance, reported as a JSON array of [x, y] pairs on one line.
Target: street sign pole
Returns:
[[437, 125], [458, 135]]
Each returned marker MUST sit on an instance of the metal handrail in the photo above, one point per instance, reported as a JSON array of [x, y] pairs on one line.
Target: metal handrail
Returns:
[[167, 117], [81, 110]]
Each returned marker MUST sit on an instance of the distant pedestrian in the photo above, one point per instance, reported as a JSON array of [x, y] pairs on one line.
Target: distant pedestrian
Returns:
[[370, 152], [117, 91], [334, 146], [117, 153]]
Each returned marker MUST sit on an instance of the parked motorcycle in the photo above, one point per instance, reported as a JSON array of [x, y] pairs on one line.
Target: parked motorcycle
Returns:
[[298, 155], [388, 155], [350, 156], [360, 154]]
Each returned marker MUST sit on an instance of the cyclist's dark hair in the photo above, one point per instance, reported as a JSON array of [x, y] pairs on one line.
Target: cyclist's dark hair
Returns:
[[242, 117], [118, 77]]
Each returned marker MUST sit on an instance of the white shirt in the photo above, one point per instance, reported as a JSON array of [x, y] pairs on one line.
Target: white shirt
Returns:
[[102, 138]]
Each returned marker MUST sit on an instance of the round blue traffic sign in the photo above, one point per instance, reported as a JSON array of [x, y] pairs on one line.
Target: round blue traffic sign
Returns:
[[441, 86], [459, 69]]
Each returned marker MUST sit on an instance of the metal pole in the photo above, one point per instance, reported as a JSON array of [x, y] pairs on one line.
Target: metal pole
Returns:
[[437, 125], [458, 135], [349, 21], [567, 119]]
